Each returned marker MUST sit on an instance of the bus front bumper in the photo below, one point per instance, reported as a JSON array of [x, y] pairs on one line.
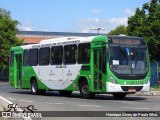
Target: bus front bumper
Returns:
[[112, 88]]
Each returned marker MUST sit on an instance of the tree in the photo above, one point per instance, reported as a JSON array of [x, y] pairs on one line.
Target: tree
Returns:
[[119, 30], [146, 23], [8, 37]]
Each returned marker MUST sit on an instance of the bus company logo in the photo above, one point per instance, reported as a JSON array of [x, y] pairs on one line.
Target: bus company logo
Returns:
[[13, 111]]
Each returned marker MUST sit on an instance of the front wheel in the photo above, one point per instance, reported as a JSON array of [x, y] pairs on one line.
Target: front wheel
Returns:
[[119, 96], [84, 90]]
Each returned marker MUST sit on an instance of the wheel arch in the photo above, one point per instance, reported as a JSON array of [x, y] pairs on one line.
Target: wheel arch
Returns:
[[81, 79]]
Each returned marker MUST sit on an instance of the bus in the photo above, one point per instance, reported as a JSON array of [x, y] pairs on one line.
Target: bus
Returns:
[[117, 65]]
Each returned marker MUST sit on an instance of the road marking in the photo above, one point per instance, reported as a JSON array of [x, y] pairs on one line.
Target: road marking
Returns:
[[88, 105], [17, 108], [54, 103], [10, 99], [134, 108], [26, 101], [6, 100]]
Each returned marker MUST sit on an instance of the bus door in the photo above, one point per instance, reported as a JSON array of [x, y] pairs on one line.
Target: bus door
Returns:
[[99, 70], [18, 67]]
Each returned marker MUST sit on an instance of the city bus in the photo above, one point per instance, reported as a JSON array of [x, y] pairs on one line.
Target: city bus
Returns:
[[117, 65]]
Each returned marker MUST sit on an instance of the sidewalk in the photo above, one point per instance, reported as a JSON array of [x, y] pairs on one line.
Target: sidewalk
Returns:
[[150, 93]]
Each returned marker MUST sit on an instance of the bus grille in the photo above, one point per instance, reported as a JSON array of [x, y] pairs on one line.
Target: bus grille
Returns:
[[126, 88]]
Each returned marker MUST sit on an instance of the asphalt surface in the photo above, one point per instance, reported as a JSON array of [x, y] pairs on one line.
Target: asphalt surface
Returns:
[[52, 101]]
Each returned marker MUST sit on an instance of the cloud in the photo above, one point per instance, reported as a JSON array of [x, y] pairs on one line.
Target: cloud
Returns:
[[85, 25], [118, 21], [96, 11], [129, 12], [25, 27]]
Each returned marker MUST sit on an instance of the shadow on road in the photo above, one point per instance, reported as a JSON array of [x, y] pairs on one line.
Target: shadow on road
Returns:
[[77, 95]]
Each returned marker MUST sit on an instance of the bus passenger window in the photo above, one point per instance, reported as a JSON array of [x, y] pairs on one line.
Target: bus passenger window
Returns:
[[33, 57], [12, 59], [44, 56], [84, 53], [25, 58], [56, 55], [70, 54]]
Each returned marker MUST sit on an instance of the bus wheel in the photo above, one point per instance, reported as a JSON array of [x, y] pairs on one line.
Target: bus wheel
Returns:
[[65, 93], [119, 96], [34, 87], [84, 90]]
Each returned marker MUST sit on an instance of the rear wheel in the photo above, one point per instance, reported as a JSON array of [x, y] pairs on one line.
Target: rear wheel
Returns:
[[34, 87], [35, 90], [84, 90], [119, 96], [65, 93]]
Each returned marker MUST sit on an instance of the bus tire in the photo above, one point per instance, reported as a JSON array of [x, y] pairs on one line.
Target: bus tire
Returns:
[[34, 87], [119, 96], [84, 90], [65, 93]]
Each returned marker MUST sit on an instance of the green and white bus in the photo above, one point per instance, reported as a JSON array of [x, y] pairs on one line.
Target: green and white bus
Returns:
[[117, 65]]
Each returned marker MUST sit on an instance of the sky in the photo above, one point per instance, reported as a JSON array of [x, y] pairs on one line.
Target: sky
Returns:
[[71, 15]]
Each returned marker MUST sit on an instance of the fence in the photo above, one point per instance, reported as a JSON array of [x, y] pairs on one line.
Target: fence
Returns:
[[155, 74]]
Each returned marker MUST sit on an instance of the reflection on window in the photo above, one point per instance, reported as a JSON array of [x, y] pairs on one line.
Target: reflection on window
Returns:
[[33, 57], [84, 53], [56, 55], [25, 58], [44, 55], [70, 54], [12, 59]]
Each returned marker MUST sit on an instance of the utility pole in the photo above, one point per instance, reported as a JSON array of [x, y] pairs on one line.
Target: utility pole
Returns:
[[98, 29]]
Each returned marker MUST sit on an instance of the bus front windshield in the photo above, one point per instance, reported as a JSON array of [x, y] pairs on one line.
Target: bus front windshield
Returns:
[[128, 60]]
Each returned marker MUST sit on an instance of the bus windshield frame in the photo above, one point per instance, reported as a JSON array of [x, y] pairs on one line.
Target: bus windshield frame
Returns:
[[126, 58]]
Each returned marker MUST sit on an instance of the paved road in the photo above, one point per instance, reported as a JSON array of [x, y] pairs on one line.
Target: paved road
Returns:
[[53, 102]]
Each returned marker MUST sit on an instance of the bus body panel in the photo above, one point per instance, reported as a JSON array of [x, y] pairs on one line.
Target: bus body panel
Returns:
[[98, 73]]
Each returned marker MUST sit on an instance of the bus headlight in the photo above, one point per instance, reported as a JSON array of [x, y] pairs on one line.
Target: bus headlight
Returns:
[[113, 80], [148, 80]]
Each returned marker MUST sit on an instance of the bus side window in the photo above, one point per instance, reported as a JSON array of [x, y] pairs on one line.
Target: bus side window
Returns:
[[44, 56], [33, 57], [11, 59], [84, 53], [56, 55], [25, 58], [70, 54]]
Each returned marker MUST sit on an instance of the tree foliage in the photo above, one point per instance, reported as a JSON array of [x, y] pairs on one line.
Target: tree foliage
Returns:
[[8, 37], [119, 30], [146, 23]]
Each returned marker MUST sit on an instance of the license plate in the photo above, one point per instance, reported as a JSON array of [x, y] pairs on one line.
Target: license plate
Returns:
[[132, 90]]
